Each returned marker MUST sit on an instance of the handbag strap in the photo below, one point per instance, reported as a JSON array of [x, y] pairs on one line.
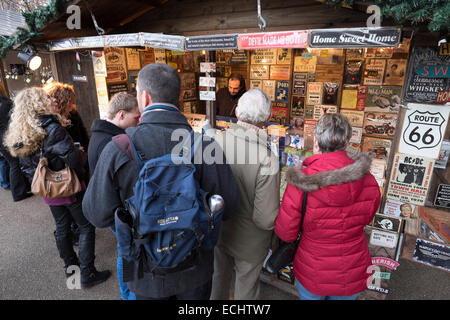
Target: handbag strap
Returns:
[[305, 197]]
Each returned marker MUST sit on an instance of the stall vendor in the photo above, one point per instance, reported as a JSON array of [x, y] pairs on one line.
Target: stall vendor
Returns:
[[227, 98]]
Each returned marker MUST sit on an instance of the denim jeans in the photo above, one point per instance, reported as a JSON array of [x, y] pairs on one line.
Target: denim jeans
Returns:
[[4, 173], [125, 293], [306, 295]]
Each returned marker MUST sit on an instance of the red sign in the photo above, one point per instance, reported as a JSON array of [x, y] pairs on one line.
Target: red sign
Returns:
[[268, 40], [443, 96]]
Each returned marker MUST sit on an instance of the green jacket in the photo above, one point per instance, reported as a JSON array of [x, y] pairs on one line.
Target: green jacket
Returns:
[[247, 235]]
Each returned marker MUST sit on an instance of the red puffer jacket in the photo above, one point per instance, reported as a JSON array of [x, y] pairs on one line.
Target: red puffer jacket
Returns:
[[343, 196]]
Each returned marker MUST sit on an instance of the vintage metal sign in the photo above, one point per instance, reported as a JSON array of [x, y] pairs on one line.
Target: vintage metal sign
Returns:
[[265, 40], [355, 38], [163, 41], [423, 130]]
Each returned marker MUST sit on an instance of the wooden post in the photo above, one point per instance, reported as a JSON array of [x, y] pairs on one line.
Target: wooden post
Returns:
[[211, 105], [3, 85]]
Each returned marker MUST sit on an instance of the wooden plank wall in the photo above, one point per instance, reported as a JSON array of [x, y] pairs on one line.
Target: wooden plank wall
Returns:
[[192, 17], [87, 103]]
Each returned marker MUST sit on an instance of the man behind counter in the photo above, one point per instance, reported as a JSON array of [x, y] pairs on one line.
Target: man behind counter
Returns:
[[227, 98]]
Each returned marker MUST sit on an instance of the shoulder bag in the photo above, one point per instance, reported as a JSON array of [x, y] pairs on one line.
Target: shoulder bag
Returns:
[[54, 184], [284, 254]]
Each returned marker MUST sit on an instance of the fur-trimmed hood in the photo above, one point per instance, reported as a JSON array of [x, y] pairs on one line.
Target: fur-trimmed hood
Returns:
[[349, 173]]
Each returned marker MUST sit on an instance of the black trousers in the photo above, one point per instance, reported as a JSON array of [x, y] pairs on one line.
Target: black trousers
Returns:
[[20, 186], [64, 215], [200, 293]]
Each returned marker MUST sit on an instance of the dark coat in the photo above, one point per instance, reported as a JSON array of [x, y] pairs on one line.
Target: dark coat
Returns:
[[226, 103], [6, 105], [77, 130], [102, 133], [116, 175], [58, 148]]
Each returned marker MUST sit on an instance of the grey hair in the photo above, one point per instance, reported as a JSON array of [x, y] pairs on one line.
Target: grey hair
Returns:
[[121, 101], [161, 81], [333, 132], [254, 107]]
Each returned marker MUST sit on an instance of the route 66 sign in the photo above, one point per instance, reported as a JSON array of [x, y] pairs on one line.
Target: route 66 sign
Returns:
[[423, 130]]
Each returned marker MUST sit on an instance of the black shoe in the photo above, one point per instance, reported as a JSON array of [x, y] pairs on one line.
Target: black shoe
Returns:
[[25, 196], [95, 277]]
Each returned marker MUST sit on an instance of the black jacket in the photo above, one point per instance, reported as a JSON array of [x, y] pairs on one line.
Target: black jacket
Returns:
[[77, 130], [5, 109], [102, 133], [226, 103], [58, 148], [116, 175]]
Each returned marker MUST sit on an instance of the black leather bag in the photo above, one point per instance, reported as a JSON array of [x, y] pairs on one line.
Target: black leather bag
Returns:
[[284, 254]]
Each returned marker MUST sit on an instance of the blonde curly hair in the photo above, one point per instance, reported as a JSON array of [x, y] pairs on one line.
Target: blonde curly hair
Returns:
[[25, 133], [65, 97]]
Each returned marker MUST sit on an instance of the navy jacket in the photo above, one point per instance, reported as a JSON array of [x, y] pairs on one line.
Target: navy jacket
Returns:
[[115, 176]]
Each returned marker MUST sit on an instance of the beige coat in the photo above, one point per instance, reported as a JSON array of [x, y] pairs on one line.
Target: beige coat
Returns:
[[247, 236]]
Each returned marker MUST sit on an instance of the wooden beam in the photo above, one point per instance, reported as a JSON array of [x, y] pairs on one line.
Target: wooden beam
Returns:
[[135, 16]]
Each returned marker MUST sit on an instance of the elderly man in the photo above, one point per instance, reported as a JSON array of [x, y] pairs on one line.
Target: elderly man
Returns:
[[245, 238], [227, 98]]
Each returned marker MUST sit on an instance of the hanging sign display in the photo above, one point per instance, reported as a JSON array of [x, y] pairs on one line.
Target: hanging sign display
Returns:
[[410, 178], [355, 38], [99, 63], [428, 74], [265, 40], [122, 40], [214, 42], [423, 130], [77, 43], [163, 41]]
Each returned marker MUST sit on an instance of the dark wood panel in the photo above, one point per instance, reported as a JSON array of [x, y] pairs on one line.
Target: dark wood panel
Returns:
[[87, 103]]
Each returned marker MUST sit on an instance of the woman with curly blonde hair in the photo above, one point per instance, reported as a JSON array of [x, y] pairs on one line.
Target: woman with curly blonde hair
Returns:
[[35, 128]]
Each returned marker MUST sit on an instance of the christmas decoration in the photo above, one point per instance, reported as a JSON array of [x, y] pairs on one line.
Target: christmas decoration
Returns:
[[434, 12]]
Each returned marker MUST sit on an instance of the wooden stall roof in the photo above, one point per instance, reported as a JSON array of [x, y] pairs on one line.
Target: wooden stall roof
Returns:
[[109, 14]]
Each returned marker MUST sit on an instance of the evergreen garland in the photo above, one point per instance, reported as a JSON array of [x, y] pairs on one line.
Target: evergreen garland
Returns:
[[35, 20], [435, 12]]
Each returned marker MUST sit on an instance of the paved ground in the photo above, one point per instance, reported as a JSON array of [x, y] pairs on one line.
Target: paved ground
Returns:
[[30, 267]]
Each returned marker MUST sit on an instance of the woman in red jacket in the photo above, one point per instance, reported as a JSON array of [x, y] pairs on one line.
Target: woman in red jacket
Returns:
[[332, 258]]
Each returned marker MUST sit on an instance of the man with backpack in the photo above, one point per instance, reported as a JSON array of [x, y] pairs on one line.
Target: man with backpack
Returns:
[[163, 213]]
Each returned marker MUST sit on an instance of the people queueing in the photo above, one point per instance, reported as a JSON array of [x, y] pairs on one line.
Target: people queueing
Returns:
[[245, 239], [18, 183], [37, 129], [342, 197], [158, 90], [123, 112]]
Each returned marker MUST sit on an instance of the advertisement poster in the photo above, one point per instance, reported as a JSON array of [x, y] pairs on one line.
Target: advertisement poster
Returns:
[[259, 72], [395, 72], [114, 88], [374, 72], [378, 124], [432, 254], [314, 93], [133, 59], [383, 99], [148, 56], [386, 223], [268, 86], [349, 99], [441, 162], [305, 65], [330, 93], [279, 72], [99, 63], [423, 130], [298, 106], [394, 208], [356, 118], [353, 72], [279, 113], [410, 179], [284, 56], [361, 98], [380, 148], [264, 56], [425, 75], [299, 84], [356, 135], [160, 55], [282, 91], [102, 92], [116, 66]]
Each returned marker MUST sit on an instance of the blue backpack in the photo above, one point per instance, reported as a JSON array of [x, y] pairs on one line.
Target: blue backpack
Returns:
[[168, 216]]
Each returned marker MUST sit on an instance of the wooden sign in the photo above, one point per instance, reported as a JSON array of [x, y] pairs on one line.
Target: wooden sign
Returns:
[[284, 56], [255, 84]]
